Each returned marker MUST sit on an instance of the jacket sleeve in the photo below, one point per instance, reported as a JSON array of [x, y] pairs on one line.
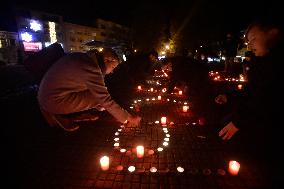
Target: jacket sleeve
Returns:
[[95, 83]]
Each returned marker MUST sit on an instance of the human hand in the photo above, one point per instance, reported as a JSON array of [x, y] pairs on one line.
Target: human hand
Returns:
[[221, 99], [228, 131], [133, 121]]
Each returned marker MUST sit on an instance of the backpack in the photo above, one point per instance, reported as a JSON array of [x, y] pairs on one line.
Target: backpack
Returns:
[[38, 63]]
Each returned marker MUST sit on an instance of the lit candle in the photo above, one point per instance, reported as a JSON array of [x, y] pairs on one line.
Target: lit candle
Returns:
[[180, 169], [122, 150], [139, 87], [234, 167], [184, 108], [140, 151], [131, 168], [180, 92], [240, 86], [104, 163], [159, 98], [165, 143], [160, 149], [151, 89], [164, 120], [153, 169], [116, 144]]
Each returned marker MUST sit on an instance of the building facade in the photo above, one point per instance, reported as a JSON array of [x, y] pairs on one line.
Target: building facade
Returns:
[[9, 47], [37, 30], [77, 37]]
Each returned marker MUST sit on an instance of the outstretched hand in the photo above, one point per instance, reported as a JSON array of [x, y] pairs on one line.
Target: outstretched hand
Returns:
[[221, 99], [228, 131]]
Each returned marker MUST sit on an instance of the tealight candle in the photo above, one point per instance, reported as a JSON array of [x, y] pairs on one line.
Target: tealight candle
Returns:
[[104, 163], [159, 98], [163, 120], [131, 168], [122, 150], [140, 151], [153, 169], [180, 92], [240, 86], [116, 144], [139, 87], [180, 169], [151, 89], [234, 167], [160, 149]]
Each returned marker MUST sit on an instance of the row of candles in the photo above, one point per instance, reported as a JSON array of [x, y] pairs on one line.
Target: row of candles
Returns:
[[233, 167], [152, 90], [217, 77]]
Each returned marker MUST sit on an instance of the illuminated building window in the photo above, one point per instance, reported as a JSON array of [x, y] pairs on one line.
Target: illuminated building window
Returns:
[[52, 32]]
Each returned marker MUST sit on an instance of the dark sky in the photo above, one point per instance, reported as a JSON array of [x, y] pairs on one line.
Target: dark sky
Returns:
[[200, 19]]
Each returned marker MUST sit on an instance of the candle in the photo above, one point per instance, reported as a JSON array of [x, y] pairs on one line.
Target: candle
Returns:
[[160, 149], [139, 87], [140, 151], [104, 163], [240, 86], [180, 169], [164, 120], [153, 169], [234, 167], [180, 92], [151, 89], [165, 143], [131, 168], [116, 144], [184, 108], [122, 150], [159, 97]]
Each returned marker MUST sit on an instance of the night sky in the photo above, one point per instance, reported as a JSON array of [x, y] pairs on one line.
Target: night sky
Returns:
[[197, 20]]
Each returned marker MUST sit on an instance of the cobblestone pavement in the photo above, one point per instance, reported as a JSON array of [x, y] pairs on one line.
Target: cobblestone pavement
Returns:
[[180, 154]]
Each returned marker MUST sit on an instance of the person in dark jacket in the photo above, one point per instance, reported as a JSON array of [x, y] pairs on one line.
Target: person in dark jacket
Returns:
[[142, 66], [255, 121], [230, 52]]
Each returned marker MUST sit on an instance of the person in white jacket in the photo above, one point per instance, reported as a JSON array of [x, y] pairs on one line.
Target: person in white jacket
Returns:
[[75, 83]]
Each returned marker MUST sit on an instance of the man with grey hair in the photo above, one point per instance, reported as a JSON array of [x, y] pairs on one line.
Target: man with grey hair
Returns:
[[75, 84]]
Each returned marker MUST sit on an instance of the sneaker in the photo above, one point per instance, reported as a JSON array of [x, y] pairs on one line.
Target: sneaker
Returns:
[[66, 124]]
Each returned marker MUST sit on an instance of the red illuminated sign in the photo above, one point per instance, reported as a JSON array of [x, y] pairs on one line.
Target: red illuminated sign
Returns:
[[32, 46]]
